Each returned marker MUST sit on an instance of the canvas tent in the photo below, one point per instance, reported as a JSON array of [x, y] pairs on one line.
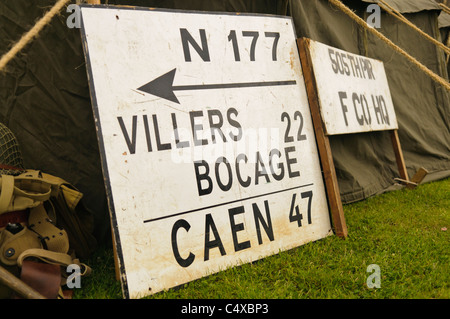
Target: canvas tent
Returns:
[[44, 93], [444, 28]]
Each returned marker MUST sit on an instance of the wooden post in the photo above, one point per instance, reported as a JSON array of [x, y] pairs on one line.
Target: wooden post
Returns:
[[399, 155], [323, 143]]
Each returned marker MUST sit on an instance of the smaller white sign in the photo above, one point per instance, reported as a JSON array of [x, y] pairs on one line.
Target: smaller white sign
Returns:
[[353, 91]]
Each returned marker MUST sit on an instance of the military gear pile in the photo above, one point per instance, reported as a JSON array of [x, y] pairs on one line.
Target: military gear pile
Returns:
[[44, 227], [43, 221]]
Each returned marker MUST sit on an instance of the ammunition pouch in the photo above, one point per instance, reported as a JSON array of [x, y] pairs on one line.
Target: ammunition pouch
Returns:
[[43, 229]]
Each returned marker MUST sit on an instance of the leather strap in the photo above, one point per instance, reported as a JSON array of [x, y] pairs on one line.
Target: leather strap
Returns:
[[44, 278]]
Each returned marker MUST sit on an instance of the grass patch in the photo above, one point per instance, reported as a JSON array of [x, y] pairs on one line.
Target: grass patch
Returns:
[[403, 232]]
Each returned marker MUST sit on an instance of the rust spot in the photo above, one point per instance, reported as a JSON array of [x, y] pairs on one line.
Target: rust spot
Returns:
[[124, 153], [292, 58]]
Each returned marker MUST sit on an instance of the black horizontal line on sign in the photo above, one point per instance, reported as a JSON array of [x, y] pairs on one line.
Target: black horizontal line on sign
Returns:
[[226, 203], [231, 85]]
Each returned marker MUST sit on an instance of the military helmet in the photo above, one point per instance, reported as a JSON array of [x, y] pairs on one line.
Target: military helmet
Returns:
[[11, 161]]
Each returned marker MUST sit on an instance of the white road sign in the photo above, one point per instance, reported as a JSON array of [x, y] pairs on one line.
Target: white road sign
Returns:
[[353, 91], [206, 139]]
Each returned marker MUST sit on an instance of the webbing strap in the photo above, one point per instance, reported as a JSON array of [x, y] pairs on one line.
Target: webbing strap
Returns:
[[54, 238], [23, 192], [7, 189], [33, 188], [47, 256], [51, 257]]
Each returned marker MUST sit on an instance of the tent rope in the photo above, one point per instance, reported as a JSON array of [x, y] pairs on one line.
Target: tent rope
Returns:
[[445, 8], [31, 34], [392, 45], [395, 13]]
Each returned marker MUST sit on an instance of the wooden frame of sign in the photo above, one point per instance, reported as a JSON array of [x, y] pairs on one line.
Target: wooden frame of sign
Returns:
[[323, 144], [349, 71]]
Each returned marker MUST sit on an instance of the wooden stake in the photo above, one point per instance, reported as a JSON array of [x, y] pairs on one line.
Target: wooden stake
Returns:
[[419, 176], [399, 155], [323, 143]]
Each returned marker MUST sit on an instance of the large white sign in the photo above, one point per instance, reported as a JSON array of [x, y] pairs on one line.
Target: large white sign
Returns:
[[207, 144], [353, 91]]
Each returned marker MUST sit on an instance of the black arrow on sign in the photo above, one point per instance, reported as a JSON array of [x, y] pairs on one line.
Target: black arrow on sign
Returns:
[[163, 86]]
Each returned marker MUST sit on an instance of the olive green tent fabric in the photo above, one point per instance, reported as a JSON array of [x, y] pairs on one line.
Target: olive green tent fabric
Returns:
[[444, 28], [254, 6], [410, 6], [444, 20], [44, 94]]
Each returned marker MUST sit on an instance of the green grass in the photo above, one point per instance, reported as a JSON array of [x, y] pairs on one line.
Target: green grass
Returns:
[[403, 232]]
